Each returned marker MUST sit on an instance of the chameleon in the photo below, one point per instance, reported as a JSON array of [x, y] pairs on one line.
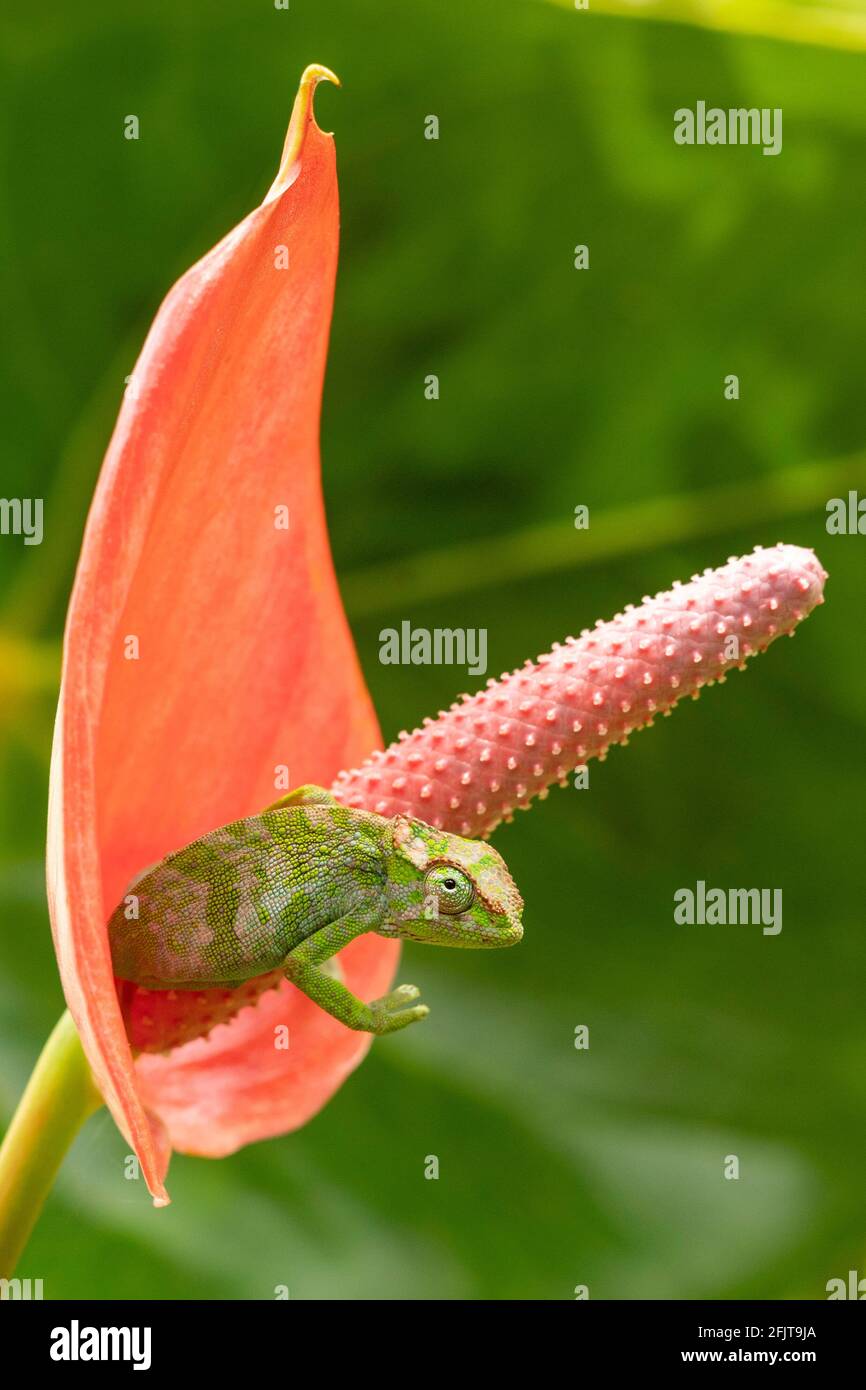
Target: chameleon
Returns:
[[289, 888]]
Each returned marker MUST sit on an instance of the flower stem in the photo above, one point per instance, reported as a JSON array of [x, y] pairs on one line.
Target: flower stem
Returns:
[[635, 528], [60, 1095], [829, 25]]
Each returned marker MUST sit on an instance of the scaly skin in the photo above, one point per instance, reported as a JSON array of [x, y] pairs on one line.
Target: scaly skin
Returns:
[[287, 889], [499, 749]]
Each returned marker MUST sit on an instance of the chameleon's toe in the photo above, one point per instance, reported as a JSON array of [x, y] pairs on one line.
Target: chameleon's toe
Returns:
[[399, 997], [393, 1022], [390, 1012]]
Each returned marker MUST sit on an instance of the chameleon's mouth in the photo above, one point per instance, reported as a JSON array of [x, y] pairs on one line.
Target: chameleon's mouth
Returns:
[[465, 933]]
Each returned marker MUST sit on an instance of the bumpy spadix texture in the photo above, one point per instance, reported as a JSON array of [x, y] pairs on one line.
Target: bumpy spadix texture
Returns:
[[492, 752]]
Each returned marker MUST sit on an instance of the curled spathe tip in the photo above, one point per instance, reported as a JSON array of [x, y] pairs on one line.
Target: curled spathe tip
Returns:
[[303, 117], [315, 73]]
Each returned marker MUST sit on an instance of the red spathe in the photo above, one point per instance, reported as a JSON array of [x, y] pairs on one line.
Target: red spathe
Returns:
[[206, 645]]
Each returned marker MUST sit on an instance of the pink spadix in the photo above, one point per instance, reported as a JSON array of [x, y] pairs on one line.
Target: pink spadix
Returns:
[[494, 751]]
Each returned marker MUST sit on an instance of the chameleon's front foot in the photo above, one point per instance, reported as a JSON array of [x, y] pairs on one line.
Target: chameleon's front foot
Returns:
[[386, 1015], [389, 1014]]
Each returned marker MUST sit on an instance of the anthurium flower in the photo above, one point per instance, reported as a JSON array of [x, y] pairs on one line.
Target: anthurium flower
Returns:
[[206, 649], [208, 665]]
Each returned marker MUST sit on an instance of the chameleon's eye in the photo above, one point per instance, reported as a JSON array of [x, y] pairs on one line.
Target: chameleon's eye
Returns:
[[454, 890]]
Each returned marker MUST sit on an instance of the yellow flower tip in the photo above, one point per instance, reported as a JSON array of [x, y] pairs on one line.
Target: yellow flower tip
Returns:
[[302, 117], [316, 73]]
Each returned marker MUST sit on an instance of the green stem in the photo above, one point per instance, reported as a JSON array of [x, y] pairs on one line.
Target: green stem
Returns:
[[60, 1095], [827, 25], [635, 528]]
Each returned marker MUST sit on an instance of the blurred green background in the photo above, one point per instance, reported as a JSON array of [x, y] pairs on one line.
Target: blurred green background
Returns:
[[558, 387]]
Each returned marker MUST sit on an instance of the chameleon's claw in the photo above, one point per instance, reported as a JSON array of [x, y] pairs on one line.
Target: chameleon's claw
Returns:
[[390, 1013]]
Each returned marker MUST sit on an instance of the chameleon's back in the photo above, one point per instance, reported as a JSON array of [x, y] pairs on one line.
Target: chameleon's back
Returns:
[[232, 905]]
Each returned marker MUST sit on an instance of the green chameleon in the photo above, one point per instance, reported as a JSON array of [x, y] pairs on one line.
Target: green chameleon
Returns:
[[290, 887]]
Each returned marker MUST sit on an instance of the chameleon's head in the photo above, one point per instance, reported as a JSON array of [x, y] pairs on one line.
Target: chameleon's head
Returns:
[[446, 890]]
